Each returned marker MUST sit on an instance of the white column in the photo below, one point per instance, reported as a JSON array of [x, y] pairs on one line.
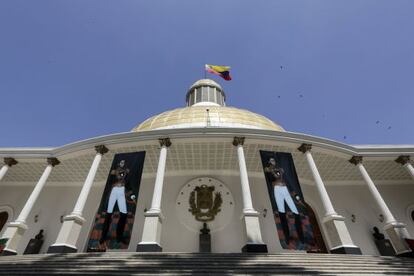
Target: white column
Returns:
[[244, 179], [83, 196], [3, 171], [8, 162], [72, 224], [34, 195], [396, 231], [320, 186], [388, 216], [340, 240], [159, 179], [254, 241], [16, 229], [404, 160], [151, 235]]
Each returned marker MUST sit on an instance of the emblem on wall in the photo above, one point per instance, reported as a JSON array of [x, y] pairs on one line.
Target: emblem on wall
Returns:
[[204, 200], [202, 205]]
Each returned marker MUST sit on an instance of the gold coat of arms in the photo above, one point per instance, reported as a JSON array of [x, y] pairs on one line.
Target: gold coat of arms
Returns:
[[202, 205]]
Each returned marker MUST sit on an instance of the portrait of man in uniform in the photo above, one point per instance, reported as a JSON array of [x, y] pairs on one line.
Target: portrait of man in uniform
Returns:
[[115, 217], [289, 208], [119, 193]]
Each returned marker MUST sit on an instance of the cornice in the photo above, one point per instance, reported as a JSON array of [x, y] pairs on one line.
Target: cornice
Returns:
[[230, 133]]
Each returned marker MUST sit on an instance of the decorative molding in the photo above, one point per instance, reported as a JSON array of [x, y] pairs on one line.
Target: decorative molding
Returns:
[[268, 136], [403, 159], [238, 141], [53, 161], [356, 160], [101, 149], [9, 161], [165, 142], [305, 147]]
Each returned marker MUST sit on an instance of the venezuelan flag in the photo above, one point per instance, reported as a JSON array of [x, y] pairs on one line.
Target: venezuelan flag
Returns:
[[221, 71]]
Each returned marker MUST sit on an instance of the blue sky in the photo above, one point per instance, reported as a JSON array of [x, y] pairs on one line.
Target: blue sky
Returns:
[[72, 70]]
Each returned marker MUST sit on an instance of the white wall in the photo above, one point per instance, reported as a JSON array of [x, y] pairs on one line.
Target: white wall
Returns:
[[52, 203], [177, 238], [357, 200]]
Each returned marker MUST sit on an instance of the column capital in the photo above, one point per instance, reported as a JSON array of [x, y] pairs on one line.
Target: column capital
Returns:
[[9, 161], [53, 161], [165, 142], [238, 141], [403, 159], [101, 149], [355, 160], [305, 147]]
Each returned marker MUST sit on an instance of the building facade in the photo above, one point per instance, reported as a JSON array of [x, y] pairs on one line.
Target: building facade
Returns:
[[208, 178]]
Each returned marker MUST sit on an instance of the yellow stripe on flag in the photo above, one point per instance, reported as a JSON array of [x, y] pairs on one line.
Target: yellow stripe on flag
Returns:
[[219, 68]]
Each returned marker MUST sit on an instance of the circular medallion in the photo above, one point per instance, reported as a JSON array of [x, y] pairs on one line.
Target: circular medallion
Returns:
[[204, 200]]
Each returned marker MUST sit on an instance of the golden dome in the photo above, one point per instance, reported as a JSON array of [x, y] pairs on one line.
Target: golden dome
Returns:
[[207, 116]]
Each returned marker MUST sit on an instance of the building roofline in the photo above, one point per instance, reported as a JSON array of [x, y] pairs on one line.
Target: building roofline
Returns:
[[153, 135]]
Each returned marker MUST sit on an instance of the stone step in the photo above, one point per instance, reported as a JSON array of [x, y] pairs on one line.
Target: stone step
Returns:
[[205, 272], [131, 263], [203, 262]]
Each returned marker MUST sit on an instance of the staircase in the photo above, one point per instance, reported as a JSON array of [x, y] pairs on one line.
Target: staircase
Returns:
[[128, 263]]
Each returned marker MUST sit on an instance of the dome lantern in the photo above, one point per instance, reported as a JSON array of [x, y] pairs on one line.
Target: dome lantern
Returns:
[[206, 107], [205, 92]]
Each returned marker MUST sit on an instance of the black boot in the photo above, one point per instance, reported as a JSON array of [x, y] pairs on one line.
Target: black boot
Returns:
[[298, 225], [285, 226], [120, 227], [105, 228]]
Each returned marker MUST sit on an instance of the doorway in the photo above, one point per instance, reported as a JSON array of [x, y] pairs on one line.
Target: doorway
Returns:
[[4, 216], [317, 234]]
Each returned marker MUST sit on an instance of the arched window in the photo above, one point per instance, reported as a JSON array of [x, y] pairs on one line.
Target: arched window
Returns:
[[4, 216], [410, 214]]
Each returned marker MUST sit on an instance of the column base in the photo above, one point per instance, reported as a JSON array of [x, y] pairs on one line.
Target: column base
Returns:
[[149, 247], [338, 236], [346, 250], [254, 241], [397, 234], [13, 234], [255, 248], [61, 249], [68, 235], [151, 234], [6, 252]]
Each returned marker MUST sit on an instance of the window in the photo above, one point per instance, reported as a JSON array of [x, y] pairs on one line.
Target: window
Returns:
[[198, 95], [410, 214], [204, 94], [3, 219], [218, 97], [6, 214], [191, 99]]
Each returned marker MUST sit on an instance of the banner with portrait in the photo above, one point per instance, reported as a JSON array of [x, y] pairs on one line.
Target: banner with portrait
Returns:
[[290, 210], [115, 217]]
